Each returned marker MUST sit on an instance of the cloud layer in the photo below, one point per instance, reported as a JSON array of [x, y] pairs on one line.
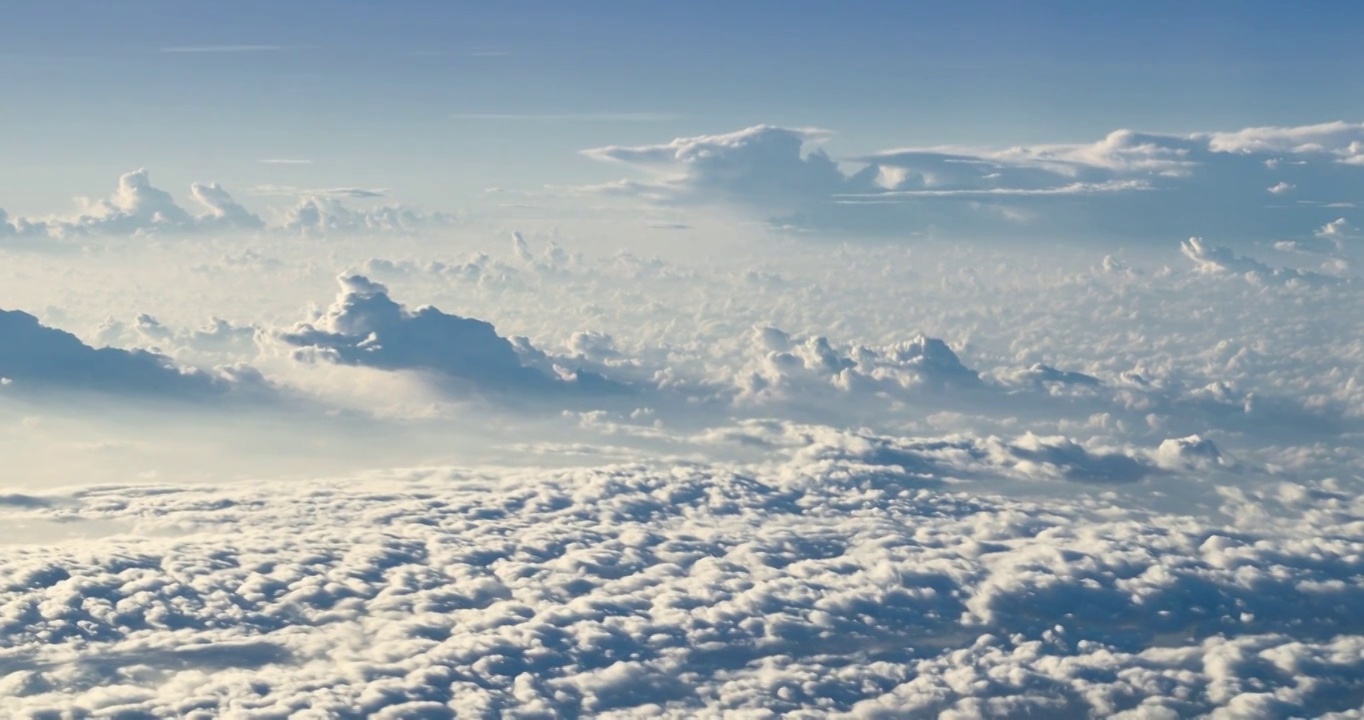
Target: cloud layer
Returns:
[[716, 470], [833, 581]]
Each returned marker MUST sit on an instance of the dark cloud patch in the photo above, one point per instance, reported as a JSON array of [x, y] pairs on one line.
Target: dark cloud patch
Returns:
[[35, 356]]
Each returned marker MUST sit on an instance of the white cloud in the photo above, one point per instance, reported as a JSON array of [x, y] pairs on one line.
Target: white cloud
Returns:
[[327, 214], [968, 479], [1341, 139], [601, 117], [353, 193], [365, 327], [1214, 259], [139, 208], [1128, 184], [762, 164], [838, 579]]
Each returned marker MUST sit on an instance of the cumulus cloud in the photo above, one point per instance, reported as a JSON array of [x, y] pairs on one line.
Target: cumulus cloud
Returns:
[[848, 576], [139, 207], [764, 164], [33, 356], [365, 327], [872, 479], [1215, 260], [789, 367], [1128, 184], [20, 227], [328, 214]]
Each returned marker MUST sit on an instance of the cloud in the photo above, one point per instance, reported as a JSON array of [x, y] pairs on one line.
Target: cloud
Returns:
[[1342, 141], [21, 228], [224, 212], [221, 48], [1127, 184], [137, 207], [284, 161], [787, 367], [1215, 260], [354, 193], [969, 479], [762, 164], [365, 327], [36, 357], [845, 575], [327, 214], [591, 117]]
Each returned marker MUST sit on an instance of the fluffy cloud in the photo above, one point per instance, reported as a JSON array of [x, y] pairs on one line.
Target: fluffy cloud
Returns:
[[139, 207], [848, 574], [1216, 260], [762, 164], [365, 327], [327, 214], [787, 366], [1128, 184], [33, 356], [969, 480]]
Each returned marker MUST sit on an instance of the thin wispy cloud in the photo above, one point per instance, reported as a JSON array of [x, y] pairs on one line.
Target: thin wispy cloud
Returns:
[[602, 117], [221, 48], [354, 193], [463, 53]]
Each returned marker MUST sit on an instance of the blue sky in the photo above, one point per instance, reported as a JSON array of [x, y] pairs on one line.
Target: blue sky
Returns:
[[366, 91]]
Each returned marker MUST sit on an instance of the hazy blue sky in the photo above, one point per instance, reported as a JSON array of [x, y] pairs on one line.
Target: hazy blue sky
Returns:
[[372, 93]]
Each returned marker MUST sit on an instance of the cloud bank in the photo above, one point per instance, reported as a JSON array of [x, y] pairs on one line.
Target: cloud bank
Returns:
[[33, 356], [138, 208], [1128, 184], [837, 580]]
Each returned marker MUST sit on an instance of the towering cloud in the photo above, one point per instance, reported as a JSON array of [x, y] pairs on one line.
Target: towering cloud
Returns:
[[139, 207], [365, 327]]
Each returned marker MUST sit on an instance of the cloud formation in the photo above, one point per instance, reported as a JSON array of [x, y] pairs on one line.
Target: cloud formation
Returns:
[[764, 164], [365, 327], [844, 577], [33, 356], [137, 207], [1128, 184], [327, 214]]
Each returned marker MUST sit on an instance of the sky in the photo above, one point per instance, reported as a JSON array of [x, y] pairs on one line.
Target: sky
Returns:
[[644, 360], [440, 100]]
